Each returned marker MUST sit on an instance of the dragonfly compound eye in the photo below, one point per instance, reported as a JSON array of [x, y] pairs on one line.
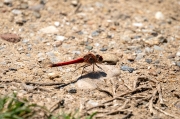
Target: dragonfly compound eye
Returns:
[[99, 58]]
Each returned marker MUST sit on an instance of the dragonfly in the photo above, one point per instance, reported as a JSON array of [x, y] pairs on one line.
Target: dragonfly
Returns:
[[89, 59]]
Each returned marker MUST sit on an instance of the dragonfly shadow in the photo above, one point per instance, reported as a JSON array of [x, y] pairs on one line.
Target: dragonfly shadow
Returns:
[[93, 75]]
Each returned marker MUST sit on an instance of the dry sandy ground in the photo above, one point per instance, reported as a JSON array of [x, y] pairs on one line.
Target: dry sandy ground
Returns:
[[138, 39]]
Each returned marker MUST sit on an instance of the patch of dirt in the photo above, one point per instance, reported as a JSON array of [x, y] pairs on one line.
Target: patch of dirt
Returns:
[[139, 41]]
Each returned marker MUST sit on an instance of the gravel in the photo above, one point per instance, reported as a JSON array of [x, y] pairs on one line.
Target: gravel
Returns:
[[134, 41]]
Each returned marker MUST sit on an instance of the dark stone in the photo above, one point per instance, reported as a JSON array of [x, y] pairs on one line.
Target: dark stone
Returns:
[[148, 60], [126, 68], [72, 91]]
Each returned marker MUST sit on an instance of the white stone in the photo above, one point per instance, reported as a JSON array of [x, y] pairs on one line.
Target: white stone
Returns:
[[53, 75], [81, 84], [159, 16], [92, 103], [56, 23], [60, 38], [49, 29], [96, 44], [74, 2], [16, 11], [76, 52], [138, 24], [178, 54]]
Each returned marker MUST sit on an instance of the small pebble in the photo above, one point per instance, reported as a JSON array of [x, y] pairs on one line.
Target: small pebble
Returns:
[[1, 4], [41, 57], [15, 11], [157, 48], [28, 87], [60, 38], [10, 37], [136, 37], [82, 42], [153, 33], [116, 23], [169, 21], [37, 7], [49, 29], [2, 86], [110, 59], [171, 56], [29, 47], [110, 35], [134, 47], [61, 104], [20, 21], [126, 68], [8, 2], [2, 47], [12, 69], [138, 51], [57, 43], [159, 15], [25, 40], [72, 91], [80, 33], [95, 33], [37, 14], [74, 2], [131, 57], [99, 4], [24, 6], [82, 84], [125, 38], [76, 52], [53, 75], [177, 105], [97, 44], [178, 54], [103, 49], [140, 56], [138, 24], [156, 62], [89, 47], [178, 64], [56, 23], [148, 60], [113, 72], [92, 103]]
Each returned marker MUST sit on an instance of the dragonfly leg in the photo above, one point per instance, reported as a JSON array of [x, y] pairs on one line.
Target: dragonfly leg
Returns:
[[84, 66], [79, 68], [99, 67]]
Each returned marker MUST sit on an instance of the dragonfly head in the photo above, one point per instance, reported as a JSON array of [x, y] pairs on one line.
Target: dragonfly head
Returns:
[[99, 58]]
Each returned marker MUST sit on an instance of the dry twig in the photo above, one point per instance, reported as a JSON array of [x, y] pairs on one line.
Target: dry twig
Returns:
[[126, 93], [9, 81], [127, 86], [56, 105], [43, 84], [151, 109], [142, 79], [160, 93], [78, 7], [42, 89], [165, 112], [105, 91], [119, 109]]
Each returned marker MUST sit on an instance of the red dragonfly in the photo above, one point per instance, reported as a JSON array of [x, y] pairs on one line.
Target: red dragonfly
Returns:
[[89, 59]]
